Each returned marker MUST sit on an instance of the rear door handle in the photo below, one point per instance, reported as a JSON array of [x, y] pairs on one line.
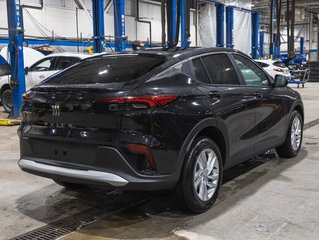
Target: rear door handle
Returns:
[[258, 95], [41, 76], [214, 95]]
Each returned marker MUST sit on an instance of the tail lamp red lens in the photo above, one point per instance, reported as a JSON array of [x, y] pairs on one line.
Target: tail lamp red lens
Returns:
[[26, 97], [151, 101], [143, 149]]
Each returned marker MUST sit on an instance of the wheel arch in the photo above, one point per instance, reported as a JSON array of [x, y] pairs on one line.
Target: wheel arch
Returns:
[[208, 127]]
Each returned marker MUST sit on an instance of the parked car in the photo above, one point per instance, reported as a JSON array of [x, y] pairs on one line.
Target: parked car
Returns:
[[158, 120], [37, 72], [30, 57], [275, 67]]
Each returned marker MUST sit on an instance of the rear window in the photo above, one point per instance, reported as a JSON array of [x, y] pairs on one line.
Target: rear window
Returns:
[[107, 69], [279, 64]]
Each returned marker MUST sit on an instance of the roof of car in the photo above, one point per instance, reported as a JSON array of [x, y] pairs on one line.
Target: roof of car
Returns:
[[185, 52], [267, 60], [71, 54]]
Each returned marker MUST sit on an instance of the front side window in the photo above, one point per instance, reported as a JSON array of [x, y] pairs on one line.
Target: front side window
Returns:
[[220, 69], [44, 65], [252, 74]]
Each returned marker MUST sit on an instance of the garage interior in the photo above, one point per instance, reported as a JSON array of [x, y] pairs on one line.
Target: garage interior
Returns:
[[263, 198]]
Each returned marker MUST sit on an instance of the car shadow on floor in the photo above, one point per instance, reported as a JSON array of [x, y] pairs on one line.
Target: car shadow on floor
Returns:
[[143, 221]]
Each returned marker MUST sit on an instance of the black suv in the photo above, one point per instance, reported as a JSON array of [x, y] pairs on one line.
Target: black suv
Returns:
[[156, 120]]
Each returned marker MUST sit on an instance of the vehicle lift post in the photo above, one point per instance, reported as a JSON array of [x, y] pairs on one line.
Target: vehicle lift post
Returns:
[[261, 44], [254, 34], [185, 23], [15, 48], [302, 45], [220, 20], [229, 26], [98, 25], [119, 25]]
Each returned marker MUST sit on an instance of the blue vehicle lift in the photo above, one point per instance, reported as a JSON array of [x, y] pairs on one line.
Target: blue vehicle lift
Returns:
[[254, 34], [185, 23], [98, 25], [261, 44], [15, 47], [229, 26], [220, 16], [119, 25]]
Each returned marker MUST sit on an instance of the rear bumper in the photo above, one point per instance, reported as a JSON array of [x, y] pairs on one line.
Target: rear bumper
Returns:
[[90, 175], [91, 164]]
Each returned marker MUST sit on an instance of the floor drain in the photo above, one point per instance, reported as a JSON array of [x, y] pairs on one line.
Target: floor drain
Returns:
[[74, 222]]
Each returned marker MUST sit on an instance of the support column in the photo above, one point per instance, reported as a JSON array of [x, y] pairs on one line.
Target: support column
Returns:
[[302, 45], [15, 48], [98, 25], [261, 44], [229, 26], [185, 23], [220, 19], [119, 25], [171, 22], [254, 34], [271, 26]]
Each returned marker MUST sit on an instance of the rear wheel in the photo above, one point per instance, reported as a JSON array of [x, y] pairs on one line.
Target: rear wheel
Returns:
[[6, 100], [201, 176], [292, 144]]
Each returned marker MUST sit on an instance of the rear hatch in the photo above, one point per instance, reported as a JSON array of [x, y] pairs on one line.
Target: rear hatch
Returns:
[[81, 96]]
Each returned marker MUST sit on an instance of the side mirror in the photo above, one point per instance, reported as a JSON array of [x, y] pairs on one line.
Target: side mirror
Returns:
[[4, 69], [281, 81], [26, 70]]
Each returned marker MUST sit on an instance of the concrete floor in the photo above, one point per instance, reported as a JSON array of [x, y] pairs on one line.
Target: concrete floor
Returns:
[[261, 199]]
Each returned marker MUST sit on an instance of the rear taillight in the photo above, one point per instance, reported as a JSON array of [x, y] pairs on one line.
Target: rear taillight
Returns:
[[26, 97], [278, 70], [151, 101]]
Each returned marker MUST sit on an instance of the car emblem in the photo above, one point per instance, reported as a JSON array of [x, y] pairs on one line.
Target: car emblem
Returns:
[[55, 110]]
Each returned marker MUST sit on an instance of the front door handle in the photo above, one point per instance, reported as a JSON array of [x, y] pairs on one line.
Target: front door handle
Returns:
[[41, 76]]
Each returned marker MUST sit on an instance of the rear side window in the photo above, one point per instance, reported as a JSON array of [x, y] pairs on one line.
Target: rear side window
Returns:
[[107, 69], [180, 68], [220, 69], [200, 71]]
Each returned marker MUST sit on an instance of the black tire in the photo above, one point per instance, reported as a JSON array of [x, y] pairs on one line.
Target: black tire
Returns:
[[68, 185], [6, 100], [185, 192], [286, 150]]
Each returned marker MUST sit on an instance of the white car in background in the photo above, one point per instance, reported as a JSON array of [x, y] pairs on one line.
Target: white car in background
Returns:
[[274, 67], [38, 71]]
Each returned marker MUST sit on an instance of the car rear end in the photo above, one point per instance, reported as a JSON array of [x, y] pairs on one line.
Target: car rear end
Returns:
[[280, 68], [83, 125]]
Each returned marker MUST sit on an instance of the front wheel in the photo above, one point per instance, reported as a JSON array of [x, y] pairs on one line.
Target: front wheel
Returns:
[[6, 100], [201, 177], [292, 144]]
